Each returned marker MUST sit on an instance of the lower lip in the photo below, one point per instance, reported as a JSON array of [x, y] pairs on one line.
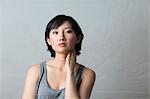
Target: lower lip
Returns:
[[62, 45]]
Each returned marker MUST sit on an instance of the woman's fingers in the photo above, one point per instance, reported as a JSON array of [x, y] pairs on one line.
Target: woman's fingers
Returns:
[[73, 57], [70, 61], [68, 58]]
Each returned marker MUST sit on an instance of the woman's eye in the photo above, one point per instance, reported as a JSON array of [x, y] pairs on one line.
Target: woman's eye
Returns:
[[69, 31], [55, 32]]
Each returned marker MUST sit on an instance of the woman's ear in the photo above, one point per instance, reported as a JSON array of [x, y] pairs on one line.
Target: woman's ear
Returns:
[[78, 39], [48, 41]]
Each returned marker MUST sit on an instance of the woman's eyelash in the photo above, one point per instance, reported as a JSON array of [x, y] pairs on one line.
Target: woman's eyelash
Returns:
[[69, 31], [55, 32]]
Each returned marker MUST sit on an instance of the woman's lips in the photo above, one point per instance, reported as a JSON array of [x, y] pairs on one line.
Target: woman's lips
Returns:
[[62, 44]]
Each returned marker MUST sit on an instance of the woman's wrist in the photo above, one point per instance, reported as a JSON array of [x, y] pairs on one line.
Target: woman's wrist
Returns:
[[70, 74]]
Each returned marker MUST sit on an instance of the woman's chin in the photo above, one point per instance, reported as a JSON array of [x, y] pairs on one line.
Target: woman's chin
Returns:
[[64, 51]]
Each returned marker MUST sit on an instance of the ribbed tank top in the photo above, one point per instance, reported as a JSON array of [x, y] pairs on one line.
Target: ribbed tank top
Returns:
[[44, 91]]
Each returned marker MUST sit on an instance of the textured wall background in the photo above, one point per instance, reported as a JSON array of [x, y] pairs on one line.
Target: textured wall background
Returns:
[[115, 43], [149, 42]]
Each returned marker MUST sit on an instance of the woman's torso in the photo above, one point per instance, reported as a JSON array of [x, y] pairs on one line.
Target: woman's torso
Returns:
[[45, 91]]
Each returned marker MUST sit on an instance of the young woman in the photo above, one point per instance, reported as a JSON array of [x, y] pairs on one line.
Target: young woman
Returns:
[[61, 77]]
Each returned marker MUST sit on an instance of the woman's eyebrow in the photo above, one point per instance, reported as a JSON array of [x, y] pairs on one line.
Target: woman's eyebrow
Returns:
[[68, 28], [53, 30]]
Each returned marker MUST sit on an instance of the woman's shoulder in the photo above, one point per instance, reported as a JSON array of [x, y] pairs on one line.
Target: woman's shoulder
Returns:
[[34, 67], [88, 78], [88, 71], [34, 71], [31, 80]]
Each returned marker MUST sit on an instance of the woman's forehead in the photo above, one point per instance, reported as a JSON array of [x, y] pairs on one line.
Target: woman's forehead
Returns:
[[65, 25]]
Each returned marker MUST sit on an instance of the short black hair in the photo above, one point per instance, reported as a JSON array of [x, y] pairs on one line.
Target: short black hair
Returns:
[[58, 21]]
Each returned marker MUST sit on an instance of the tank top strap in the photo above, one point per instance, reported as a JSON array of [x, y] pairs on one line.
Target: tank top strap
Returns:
[[44, 68], [41, 74], [78, 75]]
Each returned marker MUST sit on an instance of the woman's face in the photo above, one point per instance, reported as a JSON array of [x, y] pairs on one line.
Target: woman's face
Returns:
[[62, 39]]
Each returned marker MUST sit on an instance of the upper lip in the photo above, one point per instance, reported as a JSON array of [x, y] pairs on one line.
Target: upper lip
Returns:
[[61, 43]]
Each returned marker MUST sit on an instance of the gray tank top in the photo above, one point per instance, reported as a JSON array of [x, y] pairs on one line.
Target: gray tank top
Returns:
[[44, 91]]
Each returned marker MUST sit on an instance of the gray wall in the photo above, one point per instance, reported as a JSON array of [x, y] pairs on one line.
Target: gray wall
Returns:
[[149, 43], [115, 43]]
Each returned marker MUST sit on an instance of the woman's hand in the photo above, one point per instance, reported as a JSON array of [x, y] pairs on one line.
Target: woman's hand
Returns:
[[70, 62], [70, 87]]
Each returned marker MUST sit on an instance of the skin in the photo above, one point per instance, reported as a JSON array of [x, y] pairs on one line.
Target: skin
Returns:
[[62, 69]]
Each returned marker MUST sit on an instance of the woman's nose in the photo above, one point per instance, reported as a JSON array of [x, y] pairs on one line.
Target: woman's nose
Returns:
[[61, 37]]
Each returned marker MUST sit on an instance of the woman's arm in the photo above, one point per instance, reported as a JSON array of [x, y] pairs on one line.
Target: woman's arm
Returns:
[[70, 88], [87, 83], [31, 82], [88, 79], [85, 89]]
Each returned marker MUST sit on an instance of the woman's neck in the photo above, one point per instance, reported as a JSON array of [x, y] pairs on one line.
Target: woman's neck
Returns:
[[60, 59]]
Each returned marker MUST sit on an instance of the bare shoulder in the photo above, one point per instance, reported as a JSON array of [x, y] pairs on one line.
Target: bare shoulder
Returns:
[[31, 80], [87, 82], [34, 70], [88, 73]]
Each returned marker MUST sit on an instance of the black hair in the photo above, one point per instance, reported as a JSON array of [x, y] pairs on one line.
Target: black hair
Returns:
[[58, 21]]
